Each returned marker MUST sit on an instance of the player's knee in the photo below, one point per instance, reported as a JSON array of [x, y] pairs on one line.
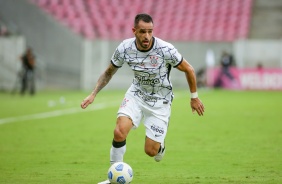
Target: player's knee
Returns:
[[119, 135], [151, 152]]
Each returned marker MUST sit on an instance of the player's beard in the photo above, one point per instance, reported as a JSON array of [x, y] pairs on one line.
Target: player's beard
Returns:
[[144, 44]]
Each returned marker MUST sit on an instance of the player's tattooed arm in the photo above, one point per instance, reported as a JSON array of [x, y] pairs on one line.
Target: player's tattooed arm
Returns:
[[102, 82], [104, 79]]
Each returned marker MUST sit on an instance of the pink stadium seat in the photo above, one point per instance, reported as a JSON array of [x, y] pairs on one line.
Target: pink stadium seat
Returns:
[[196, 20]]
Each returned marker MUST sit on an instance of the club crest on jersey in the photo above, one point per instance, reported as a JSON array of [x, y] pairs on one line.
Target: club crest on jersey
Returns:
[[154, 60], [124, 102]]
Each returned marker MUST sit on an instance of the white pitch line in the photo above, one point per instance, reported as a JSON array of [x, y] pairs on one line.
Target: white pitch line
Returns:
[[56, 113]]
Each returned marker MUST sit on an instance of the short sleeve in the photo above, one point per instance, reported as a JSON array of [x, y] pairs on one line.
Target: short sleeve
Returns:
[[173, 57], [118, 56]]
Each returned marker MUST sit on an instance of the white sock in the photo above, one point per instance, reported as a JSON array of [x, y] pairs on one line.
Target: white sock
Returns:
[[116, 154]]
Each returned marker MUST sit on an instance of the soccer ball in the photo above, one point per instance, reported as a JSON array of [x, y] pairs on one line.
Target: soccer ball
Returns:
[[120, 173]]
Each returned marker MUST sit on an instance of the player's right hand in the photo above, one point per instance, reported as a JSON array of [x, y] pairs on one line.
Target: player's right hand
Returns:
[[88, 100]]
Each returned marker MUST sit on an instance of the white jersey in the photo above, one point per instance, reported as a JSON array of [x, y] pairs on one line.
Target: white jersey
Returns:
[[151, 68]]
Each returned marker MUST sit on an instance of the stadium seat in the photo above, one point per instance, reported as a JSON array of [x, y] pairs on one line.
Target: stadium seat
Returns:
[[196, 20]]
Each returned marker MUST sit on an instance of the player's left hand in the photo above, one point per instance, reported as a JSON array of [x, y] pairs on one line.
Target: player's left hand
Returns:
[[198, 106]]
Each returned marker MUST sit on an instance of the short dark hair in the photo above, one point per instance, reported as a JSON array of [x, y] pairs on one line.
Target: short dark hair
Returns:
[[144, 17]]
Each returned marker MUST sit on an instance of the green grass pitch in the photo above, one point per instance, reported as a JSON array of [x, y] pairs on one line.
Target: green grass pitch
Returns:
[[48, 139]]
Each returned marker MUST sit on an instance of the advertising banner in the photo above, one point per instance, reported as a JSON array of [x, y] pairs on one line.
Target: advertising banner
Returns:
[[245, 78]]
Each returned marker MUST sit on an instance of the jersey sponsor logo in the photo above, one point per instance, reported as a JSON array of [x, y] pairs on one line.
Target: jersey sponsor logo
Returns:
[[142, 74], [174, 59], [146, 98], [152, 82], [147, 79]]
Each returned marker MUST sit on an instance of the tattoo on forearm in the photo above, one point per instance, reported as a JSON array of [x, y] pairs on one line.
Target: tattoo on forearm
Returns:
[[104, 79]]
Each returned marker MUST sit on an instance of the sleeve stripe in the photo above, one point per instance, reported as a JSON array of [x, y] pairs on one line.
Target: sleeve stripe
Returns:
[[115, 64], [178, 63]]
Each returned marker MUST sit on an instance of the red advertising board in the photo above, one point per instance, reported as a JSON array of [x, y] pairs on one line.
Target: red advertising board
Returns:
[[245, 78]]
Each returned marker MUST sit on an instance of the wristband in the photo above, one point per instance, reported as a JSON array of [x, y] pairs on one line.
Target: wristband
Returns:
[[194, 95]]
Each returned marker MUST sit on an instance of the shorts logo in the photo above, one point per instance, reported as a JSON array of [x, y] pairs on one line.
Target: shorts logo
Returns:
[[124, 102], [158, 130]]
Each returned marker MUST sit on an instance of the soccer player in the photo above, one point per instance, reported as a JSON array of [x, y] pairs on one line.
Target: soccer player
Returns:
[[150, 95]]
